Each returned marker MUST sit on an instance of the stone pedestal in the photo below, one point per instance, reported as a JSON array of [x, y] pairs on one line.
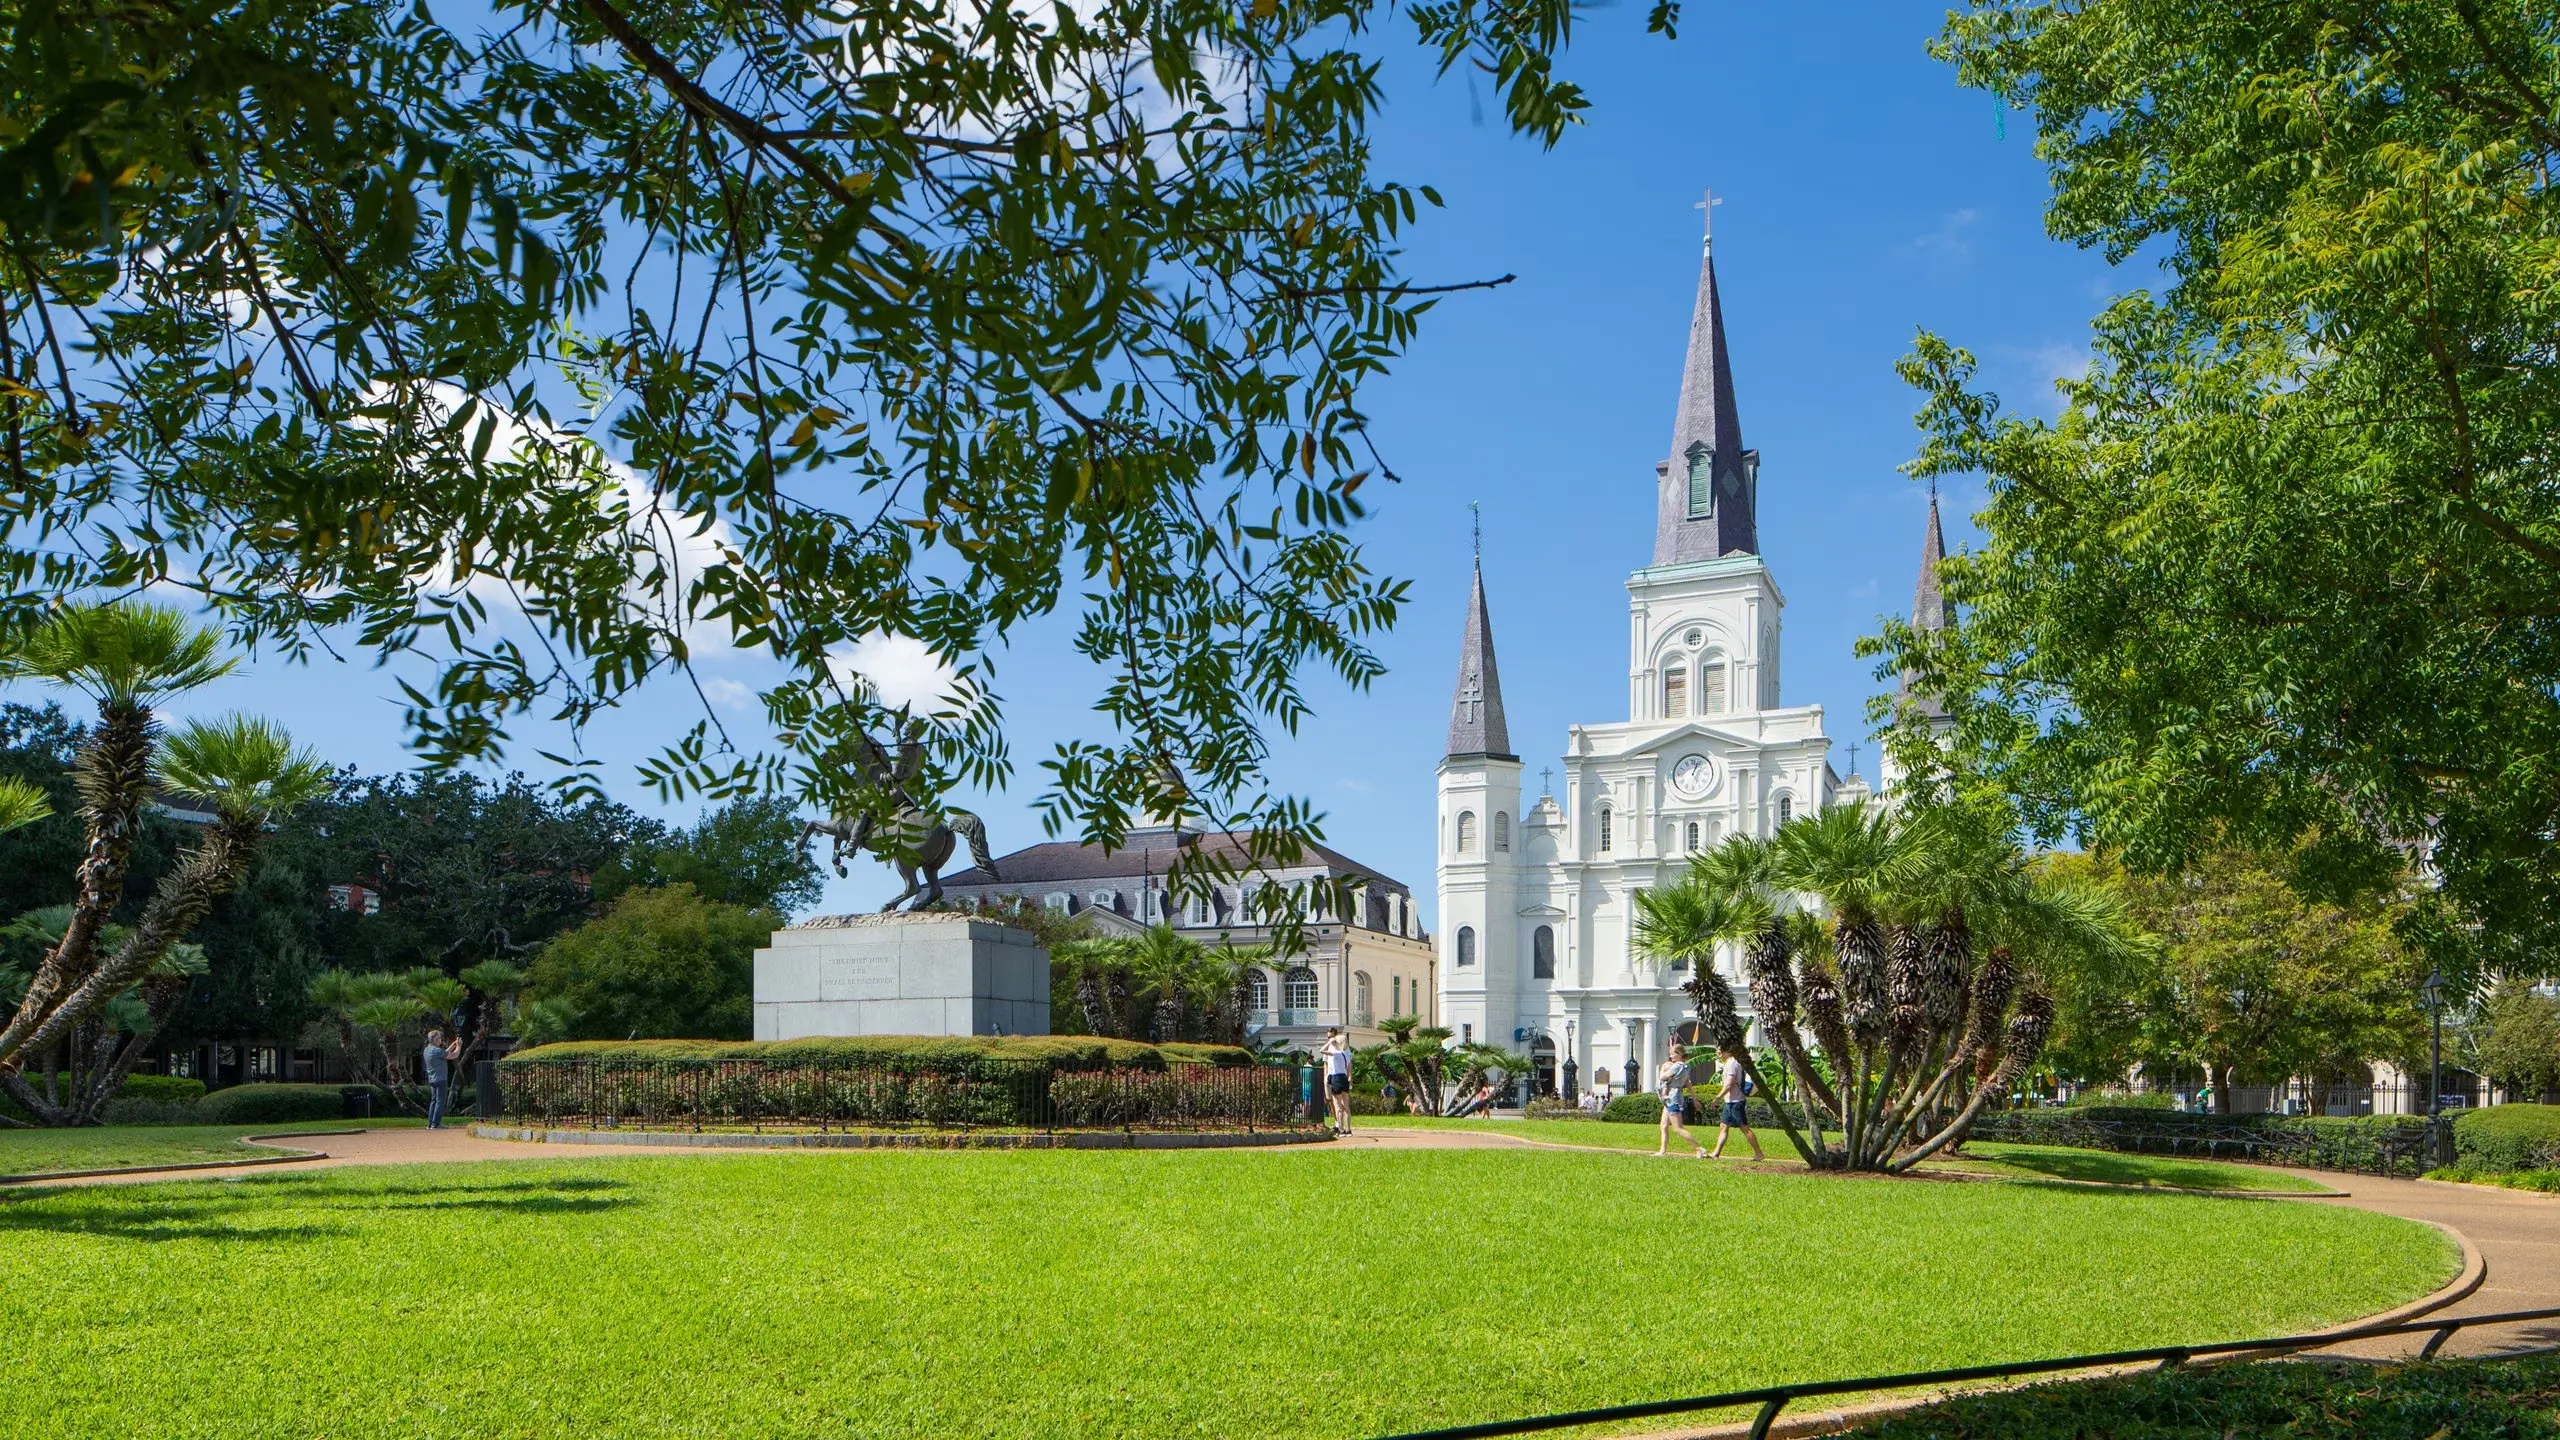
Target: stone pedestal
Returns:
[[918, 974]]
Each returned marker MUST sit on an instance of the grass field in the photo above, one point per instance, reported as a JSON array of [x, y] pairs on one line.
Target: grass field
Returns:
[[32, 1152], [2016, 1160], [1045, 1294]]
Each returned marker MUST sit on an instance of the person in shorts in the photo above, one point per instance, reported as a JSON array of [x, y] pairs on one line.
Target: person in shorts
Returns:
[[1733, 1092], [1337, 1078], [1673, 1084]]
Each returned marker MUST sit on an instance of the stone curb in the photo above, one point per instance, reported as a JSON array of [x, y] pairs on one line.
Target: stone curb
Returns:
[[889, 1140], [1793, 1425]]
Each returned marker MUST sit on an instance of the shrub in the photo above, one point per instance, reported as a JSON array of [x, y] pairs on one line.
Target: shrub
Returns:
[[2122, 1100], [659, 962], [271, 1105], [2545, 1181], [1064, 1052], [1550, 1107], [2369, 1144], [2508, 1137], [1640, 1108], [167, 1096], [1373, 1102]]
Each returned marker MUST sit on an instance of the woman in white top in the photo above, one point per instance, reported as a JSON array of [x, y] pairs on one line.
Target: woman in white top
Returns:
[[1337, 1078], [1674, 1086]]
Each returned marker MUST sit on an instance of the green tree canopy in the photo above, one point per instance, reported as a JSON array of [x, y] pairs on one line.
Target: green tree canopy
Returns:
[[554, 342], [660, 964], [2281, 572]]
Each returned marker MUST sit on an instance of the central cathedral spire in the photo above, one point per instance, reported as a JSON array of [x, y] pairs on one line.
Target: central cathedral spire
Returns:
[[1476, 723], [1709, 487]]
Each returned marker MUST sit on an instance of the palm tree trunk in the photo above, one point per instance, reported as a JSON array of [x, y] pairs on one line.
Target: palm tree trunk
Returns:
[[162, 994], [113, 775], [203, 875], [1097, 1019]]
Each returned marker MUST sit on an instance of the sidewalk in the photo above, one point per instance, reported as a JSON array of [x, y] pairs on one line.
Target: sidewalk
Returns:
[[2517, 1233]]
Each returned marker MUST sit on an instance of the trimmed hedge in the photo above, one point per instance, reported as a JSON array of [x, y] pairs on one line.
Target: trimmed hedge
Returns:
[[266, 1104], [167, 1094], [1641, 1108], [941, 1053], [2508, 1137], [2368, 1144]]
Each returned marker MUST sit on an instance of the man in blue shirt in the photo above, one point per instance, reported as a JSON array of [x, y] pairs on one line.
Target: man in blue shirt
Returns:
[[439, 1059]]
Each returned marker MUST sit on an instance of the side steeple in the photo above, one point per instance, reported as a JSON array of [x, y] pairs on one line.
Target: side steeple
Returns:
[[1709, 488], [1476, 726]]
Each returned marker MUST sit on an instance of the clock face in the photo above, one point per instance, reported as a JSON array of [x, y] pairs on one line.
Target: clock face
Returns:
[[1694, 776]]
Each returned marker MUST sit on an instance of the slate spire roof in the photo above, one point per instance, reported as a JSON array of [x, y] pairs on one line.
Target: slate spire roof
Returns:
[[1707, 488], [1928, 602], [1476, 727]]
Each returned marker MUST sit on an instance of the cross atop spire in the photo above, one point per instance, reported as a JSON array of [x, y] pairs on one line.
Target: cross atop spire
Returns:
[[1708, 202], [1476, 726]]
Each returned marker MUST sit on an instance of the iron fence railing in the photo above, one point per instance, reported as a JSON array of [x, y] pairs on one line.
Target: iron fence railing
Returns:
[[983, 1094], [1772, 1399], [2384, 1145]]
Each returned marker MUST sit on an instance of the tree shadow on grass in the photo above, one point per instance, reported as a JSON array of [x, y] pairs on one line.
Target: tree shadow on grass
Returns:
[[279, 1209]]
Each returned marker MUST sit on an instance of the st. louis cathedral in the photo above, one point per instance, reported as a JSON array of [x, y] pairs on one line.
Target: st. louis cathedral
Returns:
[[1536, 903]]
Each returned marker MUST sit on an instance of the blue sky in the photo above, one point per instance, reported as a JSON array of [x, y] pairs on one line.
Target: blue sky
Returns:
[[1866, 197]]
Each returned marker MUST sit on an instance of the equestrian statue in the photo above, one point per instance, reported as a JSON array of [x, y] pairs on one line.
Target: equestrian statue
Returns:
[[918, 837]]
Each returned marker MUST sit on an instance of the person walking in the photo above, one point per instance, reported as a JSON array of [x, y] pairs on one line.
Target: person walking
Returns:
[[439, 1057], [1673, 1083], [1734, 1092], [1337, 1078]]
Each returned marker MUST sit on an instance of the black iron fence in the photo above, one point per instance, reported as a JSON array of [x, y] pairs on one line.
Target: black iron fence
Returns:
[[1770, 1400], [981, 1094], [2378, 1145]]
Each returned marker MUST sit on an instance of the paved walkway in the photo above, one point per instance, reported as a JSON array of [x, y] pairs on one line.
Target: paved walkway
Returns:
[[2516, 1232]]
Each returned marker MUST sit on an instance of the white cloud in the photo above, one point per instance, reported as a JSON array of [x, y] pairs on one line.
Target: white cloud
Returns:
[[1951, 243], [726, 693], [902, 673]]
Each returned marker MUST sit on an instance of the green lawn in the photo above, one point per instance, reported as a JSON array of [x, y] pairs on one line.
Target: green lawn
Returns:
[[2064, 1163], [32, 1152], [2018, 1160], [1310, 1292]]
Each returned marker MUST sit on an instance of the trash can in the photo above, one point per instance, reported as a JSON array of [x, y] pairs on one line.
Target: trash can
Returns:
[[356, 1101]]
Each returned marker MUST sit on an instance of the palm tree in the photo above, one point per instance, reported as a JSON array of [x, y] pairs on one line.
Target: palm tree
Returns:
[[21, 804], [126, 657], [248, 771], [1170, 963], [1085, 961]]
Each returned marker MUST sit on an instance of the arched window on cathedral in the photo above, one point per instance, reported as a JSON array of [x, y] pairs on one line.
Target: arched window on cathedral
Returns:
[[1466, 944], [1502, 830], [1711, 689], [1786, 808], [1298, 988], [1675, 690], [1257, 990], [1466, 832], [1693, 835], [1604, 828], [1542, 953]]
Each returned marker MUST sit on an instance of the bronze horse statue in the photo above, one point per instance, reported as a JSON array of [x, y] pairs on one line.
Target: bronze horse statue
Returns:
[[919, 838]]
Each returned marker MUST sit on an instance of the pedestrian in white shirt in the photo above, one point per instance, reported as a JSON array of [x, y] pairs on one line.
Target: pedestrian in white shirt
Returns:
[[1734, 1092]]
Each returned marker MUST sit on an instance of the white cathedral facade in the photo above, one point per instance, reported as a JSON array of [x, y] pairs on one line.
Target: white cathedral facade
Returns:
[[1537, 901]]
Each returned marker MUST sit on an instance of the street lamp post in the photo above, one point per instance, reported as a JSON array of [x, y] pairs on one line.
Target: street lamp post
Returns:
[[1572, 1069], [2433, 988]]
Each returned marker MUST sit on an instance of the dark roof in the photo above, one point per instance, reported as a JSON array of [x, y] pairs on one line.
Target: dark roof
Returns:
[[1928, 602], [1476, 725], [1706, 421], [1148, 852]]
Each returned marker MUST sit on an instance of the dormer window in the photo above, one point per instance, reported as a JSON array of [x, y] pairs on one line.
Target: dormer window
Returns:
[[1702, 472]]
